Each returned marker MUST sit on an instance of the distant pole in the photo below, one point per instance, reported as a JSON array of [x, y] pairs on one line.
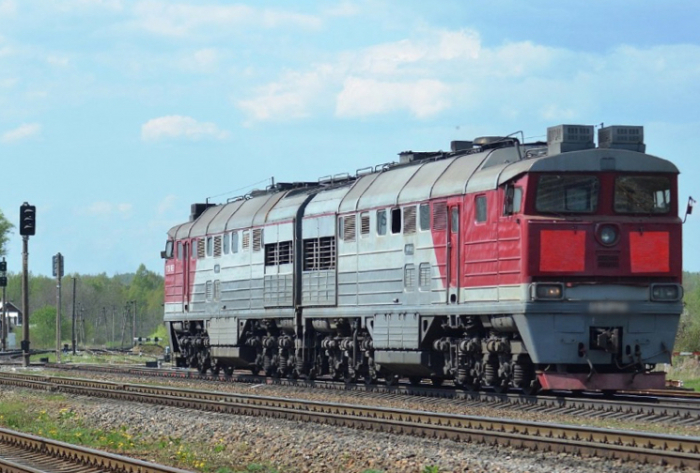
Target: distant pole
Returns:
[[25, 300], [133, 323], [58, 272], [3, 283], [73, 318], [4, 318]]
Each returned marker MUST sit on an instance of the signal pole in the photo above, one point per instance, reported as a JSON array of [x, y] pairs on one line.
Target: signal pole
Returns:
[[73, 318], [27, 227], [3, 283], [58, 273], [25, 300]]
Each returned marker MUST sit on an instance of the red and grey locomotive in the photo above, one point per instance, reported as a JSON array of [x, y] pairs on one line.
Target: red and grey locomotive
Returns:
[[497, 264]]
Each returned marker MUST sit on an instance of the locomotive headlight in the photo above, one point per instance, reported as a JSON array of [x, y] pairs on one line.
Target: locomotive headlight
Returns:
[[548, 291], [666, 292], [608, 234]]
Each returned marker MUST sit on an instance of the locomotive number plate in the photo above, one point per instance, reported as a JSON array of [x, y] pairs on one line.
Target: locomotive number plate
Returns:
[[608, 307]]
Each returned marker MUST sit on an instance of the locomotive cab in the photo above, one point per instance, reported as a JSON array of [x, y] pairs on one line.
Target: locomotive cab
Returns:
[[602, 253]]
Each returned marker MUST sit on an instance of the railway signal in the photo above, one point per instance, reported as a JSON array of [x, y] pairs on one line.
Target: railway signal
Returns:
[[27, 219], [27, 228]]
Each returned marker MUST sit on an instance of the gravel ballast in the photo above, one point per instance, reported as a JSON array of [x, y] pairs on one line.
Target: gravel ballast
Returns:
[[240, 441]]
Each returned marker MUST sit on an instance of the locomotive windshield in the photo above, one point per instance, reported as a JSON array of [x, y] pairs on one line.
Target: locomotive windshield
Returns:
[[642, 194], [557, 193]]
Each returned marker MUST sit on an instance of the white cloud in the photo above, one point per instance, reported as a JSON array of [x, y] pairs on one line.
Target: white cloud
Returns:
[[405, 74], [59, 61], [8, 83], [290, 97], [361, 97], [342, 9], [439, 72], [200, 61], [167, 204], [82, 5], [178, 126], [20, 133], [108, 209], [179, 19], [8, 7]]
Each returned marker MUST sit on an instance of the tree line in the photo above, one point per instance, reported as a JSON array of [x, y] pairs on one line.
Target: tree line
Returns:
[[109, 310]]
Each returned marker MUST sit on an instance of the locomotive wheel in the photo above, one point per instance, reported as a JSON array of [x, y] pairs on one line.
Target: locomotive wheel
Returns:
[[312, 375], [370, 379], [471, 386], [500, 389], [228, 371], [215, 369], [414, 380], [532, 388], [437, 382], [391, 380], [203, 362]]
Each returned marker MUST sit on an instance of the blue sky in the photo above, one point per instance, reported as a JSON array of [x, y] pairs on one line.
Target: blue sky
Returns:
[[116, 115]]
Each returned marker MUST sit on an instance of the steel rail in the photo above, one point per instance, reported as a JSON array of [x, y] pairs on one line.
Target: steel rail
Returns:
[[625, 445], [654, 407], [21, 452]]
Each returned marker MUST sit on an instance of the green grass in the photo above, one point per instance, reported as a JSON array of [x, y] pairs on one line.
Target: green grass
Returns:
[[686, 369], [51, 416]]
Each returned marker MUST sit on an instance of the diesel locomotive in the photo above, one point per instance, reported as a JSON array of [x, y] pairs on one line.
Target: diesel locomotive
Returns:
[[498, 264]]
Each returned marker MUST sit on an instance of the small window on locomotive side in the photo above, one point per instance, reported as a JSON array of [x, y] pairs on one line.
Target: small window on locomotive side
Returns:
[[395, 221], [227, 242], [440, 216], [193, 249], [409, 219], [217, 246], [234, 241], [258, 239], [349, 227], [271, 254], [200, 248], [512, 200], [210, 246], [364, 223], [454, 219], [381, 222], [180, 250], [517, 200], [286, 252], [481, 214], [424, 216]]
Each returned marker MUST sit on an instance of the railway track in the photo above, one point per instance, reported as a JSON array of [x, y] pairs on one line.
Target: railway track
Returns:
[[629, 446], [25, 453], [671, 407]]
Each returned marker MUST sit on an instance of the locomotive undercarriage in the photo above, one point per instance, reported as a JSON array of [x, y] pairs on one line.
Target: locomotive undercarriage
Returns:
[[460, 349]]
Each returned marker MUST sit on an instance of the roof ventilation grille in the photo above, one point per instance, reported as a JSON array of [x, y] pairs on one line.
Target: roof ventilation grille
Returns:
[[563, 138], [622, 137]]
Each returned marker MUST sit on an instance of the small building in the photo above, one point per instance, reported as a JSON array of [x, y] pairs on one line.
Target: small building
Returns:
[[14, 320], [14, 315]]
